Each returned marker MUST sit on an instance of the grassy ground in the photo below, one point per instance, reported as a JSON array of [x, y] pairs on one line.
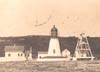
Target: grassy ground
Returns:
[[33, 66]]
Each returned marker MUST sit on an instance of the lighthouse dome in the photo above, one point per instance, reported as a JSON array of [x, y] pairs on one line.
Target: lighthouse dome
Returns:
[[54, 31], [54, 28]]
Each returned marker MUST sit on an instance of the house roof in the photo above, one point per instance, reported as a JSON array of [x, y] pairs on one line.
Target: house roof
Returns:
[[14, 48]]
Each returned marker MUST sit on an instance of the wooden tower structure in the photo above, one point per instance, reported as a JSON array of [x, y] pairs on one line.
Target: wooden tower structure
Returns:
[[83, 51]]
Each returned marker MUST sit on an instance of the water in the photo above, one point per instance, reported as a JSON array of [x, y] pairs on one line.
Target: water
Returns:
[[67, 66]]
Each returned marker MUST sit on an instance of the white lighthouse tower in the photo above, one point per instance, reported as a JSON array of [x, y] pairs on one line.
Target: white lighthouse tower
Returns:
[[54, 52], [54, 47]]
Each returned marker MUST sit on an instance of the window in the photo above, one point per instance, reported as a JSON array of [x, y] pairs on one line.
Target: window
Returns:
[[18, 54], [39, 56], [21, 54], [28, 55], [54, 51], [9, 55]]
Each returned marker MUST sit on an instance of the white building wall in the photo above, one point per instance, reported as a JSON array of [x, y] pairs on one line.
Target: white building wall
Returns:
[[42, 55], [30, 56], [53, 59], [66, 53], [14, 56], [54, 47]]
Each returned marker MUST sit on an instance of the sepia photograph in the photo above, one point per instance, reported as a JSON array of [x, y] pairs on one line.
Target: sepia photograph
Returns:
[[49, 35]]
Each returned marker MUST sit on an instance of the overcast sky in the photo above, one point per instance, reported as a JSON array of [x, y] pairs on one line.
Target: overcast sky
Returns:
[[71, 17]]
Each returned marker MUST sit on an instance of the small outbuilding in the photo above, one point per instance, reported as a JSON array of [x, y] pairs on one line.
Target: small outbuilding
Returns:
[[66, 53]]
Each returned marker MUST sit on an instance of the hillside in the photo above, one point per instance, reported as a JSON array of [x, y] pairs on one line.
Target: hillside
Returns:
[[41, 43]]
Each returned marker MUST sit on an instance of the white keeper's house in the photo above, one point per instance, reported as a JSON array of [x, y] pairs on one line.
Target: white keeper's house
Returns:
[[16, 53]]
